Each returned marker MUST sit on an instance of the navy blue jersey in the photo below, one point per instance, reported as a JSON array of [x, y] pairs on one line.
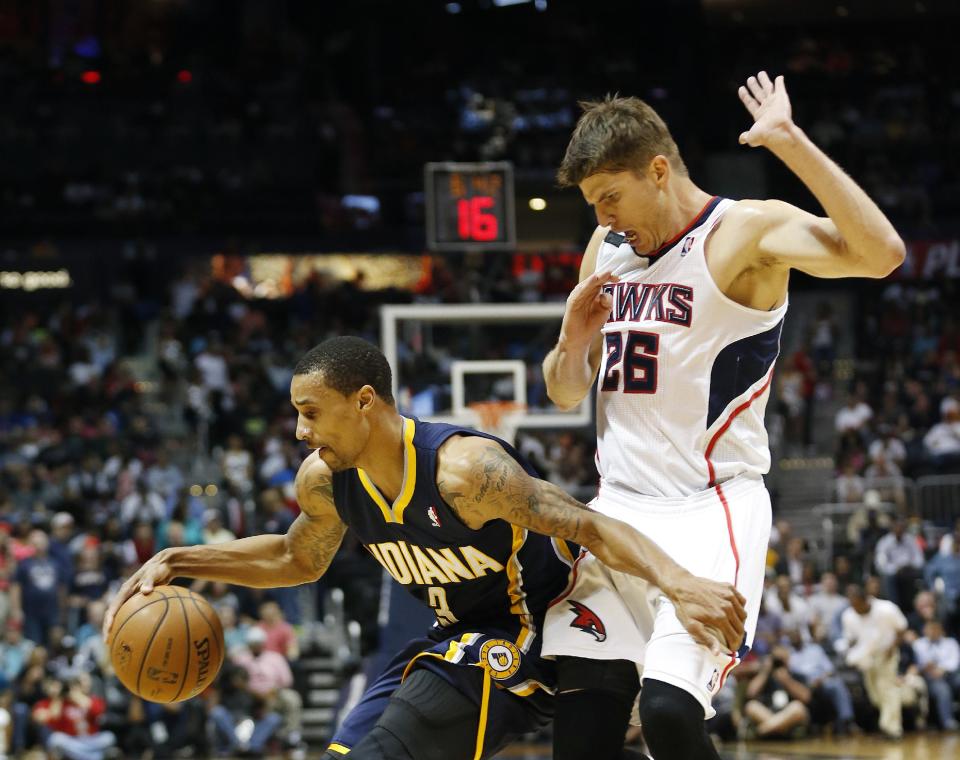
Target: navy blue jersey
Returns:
[[500, 575], [489, 589]]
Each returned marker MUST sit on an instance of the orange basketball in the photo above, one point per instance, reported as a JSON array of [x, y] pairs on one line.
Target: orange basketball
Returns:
[[166, 646]]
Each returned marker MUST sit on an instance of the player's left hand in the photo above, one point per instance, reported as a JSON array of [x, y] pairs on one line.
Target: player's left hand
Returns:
[[769, 105], [707, 608]]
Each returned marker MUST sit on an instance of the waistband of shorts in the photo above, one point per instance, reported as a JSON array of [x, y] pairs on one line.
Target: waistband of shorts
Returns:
[[732, 488]]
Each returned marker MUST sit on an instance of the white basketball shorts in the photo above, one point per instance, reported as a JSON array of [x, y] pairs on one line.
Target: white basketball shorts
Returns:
[[721, 534]]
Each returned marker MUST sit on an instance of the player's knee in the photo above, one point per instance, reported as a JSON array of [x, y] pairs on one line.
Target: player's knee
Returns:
[[618, 678], [668, 713]]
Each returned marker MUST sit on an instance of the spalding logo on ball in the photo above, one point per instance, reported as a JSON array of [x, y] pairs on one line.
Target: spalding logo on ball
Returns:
[[166, 646]]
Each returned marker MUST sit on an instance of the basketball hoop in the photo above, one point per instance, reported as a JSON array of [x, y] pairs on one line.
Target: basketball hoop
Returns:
[[499, 418]]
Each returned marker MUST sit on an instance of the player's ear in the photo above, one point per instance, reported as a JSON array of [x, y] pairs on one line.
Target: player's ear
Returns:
[[365, 398], [660, 170]]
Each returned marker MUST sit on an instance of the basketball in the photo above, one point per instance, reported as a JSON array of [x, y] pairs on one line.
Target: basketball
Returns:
[[166, 646]]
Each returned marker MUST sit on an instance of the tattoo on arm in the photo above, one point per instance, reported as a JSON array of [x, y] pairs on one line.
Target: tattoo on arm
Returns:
[[494, 485], [313, 541], [315, 535]]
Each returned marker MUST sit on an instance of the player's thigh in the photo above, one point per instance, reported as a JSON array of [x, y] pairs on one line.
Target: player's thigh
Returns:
[[601, 616], [434, 716], [672, 655]]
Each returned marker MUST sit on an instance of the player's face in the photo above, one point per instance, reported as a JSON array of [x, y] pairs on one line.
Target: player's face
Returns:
[[333, 424], [628, 204]]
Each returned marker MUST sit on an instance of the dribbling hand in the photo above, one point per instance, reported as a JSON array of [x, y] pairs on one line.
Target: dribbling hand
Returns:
[[769, 105], [155, 572], [588, 307]]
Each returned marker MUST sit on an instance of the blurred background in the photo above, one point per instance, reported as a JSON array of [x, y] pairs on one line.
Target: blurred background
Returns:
[[192, 194]]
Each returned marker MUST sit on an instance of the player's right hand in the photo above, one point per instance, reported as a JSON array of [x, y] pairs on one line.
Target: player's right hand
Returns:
[[156, 571], [713, 613], [588, 307]]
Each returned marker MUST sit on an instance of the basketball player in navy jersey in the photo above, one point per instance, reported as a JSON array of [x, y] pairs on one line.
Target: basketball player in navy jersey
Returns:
[[678, 316], [459, 519]]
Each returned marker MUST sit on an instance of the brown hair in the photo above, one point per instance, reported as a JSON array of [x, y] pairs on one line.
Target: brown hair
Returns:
[[614, 135]]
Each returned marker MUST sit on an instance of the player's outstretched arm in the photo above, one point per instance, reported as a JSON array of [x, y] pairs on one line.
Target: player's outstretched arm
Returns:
[[856, 240], [571, 367], [267, 561], [481, 482]]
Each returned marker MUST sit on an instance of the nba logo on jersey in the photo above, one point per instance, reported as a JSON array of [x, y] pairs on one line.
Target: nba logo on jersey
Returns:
[[434, 517], [687, 245]]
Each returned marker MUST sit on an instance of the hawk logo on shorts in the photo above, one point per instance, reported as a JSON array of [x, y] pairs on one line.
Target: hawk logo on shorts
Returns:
[[434, 517], [501, 658], [588, 621]]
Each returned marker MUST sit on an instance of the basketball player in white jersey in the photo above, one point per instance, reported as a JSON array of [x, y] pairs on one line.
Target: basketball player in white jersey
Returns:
[[677, 316]]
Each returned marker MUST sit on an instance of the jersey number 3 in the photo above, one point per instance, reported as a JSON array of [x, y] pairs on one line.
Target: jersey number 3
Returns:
[[634, 359]]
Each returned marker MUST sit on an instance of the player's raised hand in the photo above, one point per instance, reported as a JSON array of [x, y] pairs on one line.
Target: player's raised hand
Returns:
[[713, 613], [156, 571], [588, 307], [769, 105]]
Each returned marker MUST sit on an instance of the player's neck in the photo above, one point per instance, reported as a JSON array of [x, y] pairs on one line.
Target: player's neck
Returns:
[[384, 457], [686, 202]]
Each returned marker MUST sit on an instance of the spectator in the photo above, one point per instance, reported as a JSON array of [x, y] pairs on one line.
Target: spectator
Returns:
[[776, 698], [849, 486], [826, 604], [91, 648], [829, 694], [949, 539], [192, 528], [938, 658], [899, 561], [924, 610], [888, 447], [234, 633], [73, 720], [41, 588], [29, 690], [792, 563], [790, 607], [14, 650], [89, 582], [946, 568], [281, 637], [275, 517], [163, 477], [872, 629], [943, 440], [213, 531], [271, 679], [61, 532], [854, 415], [143, 505], [237, 465], [237, 703]]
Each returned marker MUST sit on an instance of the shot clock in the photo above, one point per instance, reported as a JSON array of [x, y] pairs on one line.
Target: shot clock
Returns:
[[470, 206]]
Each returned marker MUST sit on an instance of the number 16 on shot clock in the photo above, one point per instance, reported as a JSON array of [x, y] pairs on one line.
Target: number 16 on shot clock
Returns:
[[470, 206]]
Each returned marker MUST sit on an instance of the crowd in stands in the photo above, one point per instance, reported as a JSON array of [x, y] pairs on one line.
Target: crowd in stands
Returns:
[[851, 648]]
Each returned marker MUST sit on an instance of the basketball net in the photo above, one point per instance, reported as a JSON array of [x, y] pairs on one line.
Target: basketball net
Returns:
[[499, 418]]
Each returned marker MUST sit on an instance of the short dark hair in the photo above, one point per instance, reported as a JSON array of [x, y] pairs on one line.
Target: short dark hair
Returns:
[[614, 135], [856, 591], [347, 364]]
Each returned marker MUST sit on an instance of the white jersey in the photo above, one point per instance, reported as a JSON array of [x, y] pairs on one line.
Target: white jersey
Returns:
[[686, 371]]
